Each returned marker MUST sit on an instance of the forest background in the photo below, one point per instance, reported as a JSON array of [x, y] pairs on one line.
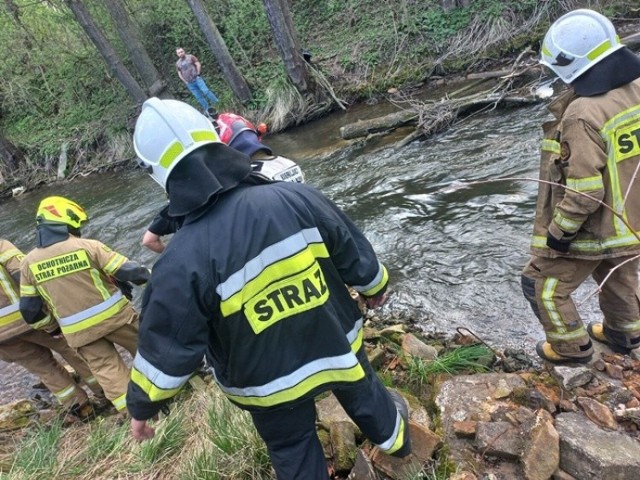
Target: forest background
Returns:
[[76, 72]]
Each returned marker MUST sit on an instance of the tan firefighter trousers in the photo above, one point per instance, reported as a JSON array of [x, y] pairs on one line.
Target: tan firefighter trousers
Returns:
[[549, 282], [33, 350], [108, 366]]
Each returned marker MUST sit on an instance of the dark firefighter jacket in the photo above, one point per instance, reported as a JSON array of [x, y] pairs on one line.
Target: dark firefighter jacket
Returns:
[[257, 282], [163, 224]]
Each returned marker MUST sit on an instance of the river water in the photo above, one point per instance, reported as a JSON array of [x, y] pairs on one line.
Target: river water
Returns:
[[454, 251]]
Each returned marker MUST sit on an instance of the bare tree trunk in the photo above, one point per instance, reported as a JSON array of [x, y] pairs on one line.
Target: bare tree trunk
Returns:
[[14, 12], [128, 32], [219, 48], [10, 155], [284, 34], [108, 53]]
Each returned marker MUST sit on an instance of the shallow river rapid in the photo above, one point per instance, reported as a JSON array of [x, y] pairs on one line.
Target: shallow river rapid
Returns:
[[454, 251]]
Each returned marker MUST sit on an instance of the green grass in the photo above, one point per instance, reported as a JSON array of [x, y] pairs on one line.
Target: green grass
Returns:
[[471, 359], [105, 439], [387, 379], [36, 457], [239, 451], [169, 439]]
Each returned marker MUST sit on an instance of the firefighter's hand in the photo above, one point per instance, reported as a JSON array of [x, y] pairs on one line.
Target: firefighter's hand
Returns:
[[141, 430], [558, 239], [558, 245], [377, 301]]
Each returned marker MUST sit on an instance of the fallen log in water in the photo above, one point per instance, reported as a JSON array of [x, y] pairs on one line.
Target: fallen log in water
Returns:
[[513, 87], [362, 128], [432, 117]]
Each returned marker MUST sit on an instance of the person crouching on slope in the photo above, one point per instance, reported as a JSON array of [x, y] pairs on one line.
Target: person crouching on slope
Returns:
[[33, 349], [239, 133], [76, 279]]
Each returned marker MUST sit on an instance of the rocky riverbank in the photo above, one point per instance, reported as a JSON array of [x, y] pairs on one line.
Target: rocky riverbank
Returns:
[[475, 413]]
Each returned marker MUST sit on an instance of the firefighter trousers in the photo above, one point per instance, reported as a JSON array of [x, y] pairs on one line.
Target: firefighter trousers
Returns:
[[290, 433], [33, 350], [547, 283], [108, 366]]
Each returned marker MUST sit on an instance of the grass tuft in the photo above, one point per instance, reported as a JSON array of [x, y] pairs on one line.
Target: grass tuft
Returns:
[[105, 439], [472, 359], [36, 457], [169, 439], [238, 451]]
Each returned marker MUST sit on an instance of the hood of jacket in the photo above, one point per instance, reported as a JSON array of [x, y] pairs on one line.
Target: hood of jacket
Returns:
[[618, 69], [47, 234], [203, 175]]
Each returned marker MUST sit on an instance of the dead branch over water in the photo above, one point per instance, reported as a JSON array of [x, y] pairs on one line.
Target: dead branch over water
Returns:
[[508, 87], [513, 86]]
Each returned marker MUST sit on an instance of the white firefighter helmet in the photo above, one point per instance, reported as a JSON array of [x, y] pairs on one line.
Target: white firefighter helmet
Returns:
[[166, 132], [576, 42]]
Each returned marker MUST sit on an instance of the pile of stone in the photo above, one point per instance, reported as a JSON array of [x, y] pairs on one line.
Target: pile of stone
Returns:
[[562, 423]]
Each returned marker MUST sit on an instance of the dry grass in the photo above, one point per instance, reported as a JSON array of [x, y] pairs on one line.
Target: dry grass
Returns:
[[283, 103], [204, 437], [483, 35]]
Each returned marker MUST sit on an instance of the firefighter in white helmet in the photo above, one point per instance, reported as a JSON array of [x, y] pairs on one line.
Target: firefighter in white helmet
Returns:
[[590, 154], [77, 280], [241, 135], [255, 279]]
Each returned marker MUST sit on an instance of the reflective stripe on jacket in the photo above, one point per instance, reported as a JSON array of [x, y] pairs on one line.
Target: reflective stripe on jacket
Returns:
[[593, 148], [265, 299], [11, 322], [72, 278]]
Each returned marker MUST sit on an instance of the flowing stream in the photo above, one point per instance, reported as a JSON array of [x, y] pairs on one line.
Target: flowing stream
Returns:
[[454, 251]]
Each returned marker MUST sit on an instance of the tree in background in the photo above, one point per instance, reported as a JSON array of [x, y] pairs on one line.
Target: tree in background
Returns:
[[286, 39], [10, 155], [232, 75], [129, 34], [108, 53]]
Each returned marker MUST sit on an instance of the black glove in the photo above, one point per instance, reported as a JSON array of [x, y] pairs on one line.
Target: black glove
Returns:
[[125, 287], [560, 245], [55, 332]]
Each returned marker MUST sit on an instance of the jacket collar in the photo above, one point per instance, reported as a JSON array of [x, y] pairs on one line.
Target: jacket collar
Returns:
[[560, 104], [48, 234], [618, 69]]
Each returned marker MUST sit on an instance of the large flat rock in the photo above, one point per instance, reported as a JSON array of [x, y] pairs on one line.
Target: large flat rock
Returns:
[[473, 398], [590, 453]]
